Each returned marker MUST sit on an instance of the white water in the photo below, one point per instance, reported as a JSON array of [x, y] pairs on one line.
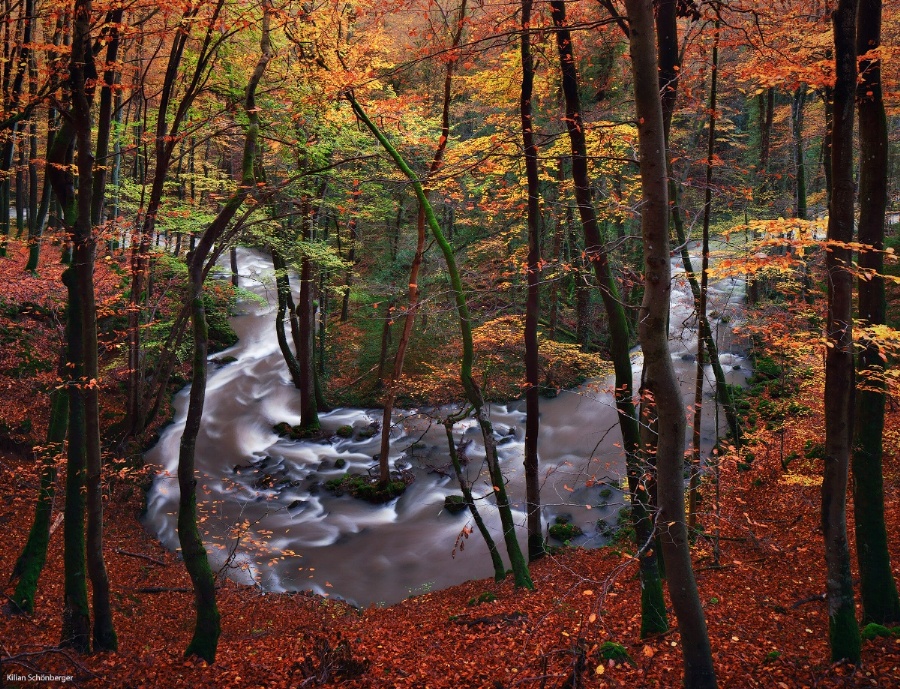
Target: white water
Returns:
[[292, 536]]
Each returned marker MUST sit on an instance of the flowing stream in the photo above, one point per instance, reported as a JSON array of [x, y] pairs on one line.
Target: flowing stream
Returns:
[[268, 519]]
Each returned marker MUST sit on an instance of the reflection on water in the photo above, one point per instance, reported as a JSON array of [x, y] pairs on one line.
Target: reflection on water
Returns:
[[268, 518]]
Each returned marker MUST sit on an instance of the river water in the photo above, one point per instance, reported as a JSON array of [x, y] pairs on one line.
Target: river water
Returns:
[[268, 520]]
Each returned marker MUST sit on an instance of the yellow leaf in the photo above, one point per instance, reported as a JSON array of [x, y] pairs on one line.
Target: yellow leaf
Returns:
[[592, 618], [588, 592], [648, 651], [600, 669]]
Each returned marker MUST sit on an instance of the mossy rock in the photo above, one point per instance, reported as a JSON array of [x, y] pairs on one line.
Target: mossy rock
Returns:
[[484, 597], [455, 504], [368, 488], [873, 631], [344, 431], [565, 532], [285, 430], [224, 360], [366, 433], [340, 463]]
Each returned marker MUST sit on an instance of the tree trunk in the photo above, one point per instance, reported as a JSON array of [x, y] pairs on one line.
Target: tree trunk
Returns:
[[306, 314], [797, 103], [532, 304], [704, 282], [877, 586], [496, 560], [839, 384], [31, 562], [283, 290], [76, 626], [669, 68], [207, 627], [661, 387], [766, 102], [82, 70], [653, 617]]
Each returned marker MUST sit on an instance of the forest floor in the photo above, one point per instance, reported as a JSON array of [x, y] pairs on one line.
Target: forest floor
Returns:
[[763, 601]]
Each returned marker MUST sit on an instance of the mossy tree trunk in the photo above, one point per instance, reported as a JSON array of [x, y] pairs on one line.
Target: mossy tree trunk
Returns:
[[31, 561], [207, 628], [76, 627]]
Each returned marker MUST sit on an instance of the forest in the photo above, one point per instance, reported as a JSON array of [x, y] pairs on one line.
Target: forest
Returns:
[[450, 343]]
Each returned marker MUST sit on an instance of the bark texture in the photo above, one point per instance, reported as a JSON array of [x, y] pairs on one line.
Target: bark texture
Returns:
[[839, 379], [877, 586], [660, 387]]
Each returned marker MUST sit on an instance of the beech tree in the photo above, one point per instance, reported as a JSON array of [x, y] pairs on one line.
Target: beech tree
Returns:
[[653, 611], [208, 627], [878, 589], [84, 449], [533, 304], [839, 384], [660, 385]]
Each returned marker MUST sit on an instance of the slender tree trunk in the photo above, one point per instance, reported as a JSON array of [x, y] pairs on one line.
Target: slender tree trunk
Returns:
[[532, 304], [704, 280], [471, 387], [6, 161], [31, 561], [204, 642], [669, 69], [766, 102], [283, 290], [207, 628], [839, 384], [351, 252], [496, 560], [306, 314], [877, 586], [661, 387], [36, 221], [21, 186], [797, 103], [413, 293], [653, 615]]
